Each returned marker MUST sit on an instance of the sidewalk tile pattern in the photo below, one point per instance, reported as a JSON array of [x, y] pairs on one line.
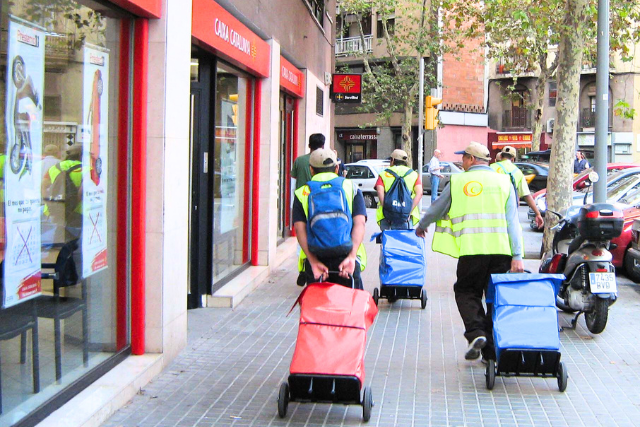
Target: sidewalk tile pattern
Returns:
[[230, 372]]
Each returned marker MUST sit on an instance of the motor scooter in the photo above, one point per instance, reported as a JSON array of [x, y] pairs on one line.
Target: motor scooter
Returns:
[[581, 251]]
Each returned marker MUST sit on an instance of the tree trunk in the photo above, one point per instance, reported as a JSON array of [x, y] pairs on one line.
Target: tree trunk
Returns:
[[559, 187], [406, 130], [538, 111]]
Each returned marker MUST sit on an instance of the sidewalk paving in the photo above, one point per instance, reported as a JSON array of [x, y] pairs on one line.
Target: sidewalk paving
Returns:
[[235, 360]]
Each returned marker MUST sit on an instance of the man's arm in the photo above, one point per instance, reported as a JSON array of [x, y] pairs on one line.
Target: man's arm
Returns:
[[534, 208], [417, 189], [319, 269], [515, 232], [437, 210], [380, 190]]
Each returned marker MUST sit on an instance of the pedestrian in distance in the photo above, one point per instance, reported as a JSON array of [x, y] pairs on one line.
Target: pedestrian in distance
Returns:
[[329, 217], [435, 175], [300, 171], [399, 191], [580, 163], [506, 166], [477, 222], [341, 169]]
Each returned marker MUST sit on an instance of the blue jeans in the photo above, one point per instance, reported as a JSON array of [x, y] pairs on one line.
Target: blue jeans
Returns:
[[435, 183]]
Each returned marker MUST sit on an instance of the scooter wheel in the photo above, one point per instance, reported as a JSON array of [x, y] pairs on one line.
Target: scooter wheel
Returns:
[[563, 378], [16, 159], [490, 374]]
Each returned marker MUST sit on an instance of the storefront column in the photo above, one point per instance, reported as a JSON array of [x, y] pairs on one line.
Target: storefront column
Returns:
[[167, 212], [270, 122]]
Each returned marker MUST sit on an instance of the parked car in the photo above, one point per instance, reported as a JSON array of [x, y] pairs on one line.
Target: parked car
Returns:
[[448, 168], [537, 156], [364, 174], [535, 174], [615, 172], [632, 256]]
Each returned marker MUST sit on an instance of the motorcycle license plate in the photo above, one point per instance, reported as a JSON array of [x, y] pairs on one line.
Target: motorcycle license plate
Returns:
[[602, 283]]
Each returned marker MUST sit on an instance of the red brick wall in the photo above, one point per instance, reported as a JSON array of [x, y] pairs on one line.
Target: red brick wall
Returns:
[[463, 80]]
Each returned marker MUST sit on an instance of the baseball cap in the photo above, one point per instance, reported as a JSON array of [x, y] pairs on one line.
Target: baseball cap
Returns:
[[476, 150], [323, 158], [399, 155], [510, 151]]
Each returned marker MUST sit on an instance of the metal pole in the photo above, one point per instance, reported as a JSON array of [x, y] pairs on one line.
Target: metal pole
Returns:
[[421, 126], [602, 103]]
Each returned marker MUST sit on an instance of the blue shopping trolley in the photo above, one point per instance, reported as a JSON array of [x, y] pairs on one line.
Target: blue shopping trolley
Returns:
[[525, 327], [403, 266]]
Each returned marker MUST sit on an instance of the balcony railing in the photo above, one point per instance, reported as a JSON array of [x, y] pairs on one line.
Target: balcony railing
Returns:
[[588, 118], [516, 118], [353, 46]]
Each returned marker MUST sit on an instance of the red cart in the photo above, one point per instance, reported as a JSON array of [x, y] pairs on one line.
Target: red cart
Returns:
[[328, 362]]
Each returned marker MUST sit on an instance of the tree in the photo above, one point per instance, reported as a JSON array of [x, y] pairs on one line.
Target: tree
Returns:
[[391, 83]]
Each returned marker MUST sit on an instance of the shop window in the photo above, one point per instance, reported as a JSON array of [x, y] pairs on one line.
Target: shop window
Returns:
[[317, 9], [319, 101], [553, 93], [59, 94]]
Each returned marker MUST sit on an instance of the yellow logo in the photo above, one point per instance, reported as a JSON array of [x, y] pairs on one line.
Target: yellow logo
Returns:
[[388, 175], [347, 83], [472, 189], [254, 51], [306, 191]]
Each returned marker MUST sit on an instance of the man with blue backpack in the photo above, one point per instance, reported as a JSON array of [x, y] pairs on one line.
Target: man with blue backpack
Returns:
[[399, 191], [329, 216]]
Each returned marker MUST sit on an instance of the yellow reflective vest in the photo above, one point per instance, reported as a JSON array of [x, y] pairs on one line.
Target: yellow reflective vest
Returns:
[[507, 168], [410, 180], [302, 194], [476, 223]]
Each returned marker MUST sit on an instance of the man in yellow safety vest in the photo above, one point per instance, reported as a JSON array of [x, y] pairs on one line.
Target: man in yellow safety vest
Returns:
[[505, 166], [349, 258], [477, 222], [399, 167]]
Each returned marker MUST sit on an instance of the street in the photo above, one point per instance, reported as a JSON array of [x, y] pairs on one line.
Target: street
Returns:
[[235, 360]]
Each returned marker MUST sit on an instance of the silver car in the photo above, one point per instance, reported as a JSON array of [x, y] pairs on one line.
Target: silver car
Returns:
[[448, 168]]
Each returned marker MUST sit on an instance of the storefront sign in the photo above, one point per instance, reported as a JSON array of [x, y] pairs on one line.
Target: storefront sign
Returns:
[[517, 140], [291, 79], [145, 8], [217, 28], [358, 135], [347, 88], [22, 195], [95, 157]]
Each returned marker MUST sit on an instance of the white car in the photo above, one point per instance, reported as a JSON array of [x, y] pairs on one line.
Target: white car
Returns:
[[364, 175]]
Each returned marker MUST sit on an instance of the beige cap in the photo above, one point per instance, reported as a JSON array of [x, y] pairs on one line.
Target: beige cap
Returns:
[[400, 155], [51, 150], [74, 150], [510, 151], [323, 158], [476, 150]]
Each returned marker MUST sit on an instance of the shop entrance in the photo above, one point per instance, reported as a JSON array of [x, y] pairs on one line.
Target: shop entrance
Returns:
[[355, 152], [285, 162], [200, 215]]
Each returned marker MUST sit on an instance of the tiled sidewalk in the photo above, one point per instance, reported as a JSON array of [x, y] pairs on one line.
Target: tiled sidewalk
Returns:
[[230, 372]]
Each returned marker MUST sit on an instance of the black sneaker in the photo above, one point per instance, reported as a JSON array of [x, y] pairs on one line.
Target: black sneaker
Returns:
[[302, 279], [473, 352]]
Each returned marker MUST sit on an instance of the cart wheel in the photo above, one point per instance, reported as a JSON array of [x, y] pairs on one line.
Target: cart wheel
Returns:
[[423, 298], [563, 378], [490, 374], [376, 295], [283, 400], [367, 403]]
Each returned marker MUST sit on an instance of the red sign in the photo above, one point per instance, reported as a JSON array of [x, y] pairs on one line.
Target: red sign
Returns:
[[218, 29], [347, 88], [144, 8], [515, 137], [291, 79]]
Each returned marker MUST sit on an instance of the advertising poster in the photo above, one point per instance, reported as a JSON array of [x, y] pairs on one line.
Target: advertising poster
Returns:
[[95, 156], [227, 135], [23, 151]]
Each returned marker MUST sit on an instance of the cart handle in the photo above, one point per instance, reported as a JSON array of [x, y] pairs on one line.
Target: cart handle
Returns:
[[305, 289]]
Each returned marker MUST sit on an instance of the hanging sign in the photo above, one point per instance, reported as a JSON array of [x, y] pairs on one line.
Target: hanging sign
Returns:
[[346, 88], [95, 157], [22, 173]]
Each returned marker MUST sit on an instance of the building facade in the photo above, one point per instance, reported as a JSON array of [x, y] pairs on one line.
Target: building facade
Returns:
[[174, 125]]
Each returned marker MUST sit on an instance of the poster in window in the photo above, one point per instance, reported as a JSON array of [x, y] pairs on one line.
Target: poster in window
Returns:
[[95, 157], [20, 165], [227, 135]]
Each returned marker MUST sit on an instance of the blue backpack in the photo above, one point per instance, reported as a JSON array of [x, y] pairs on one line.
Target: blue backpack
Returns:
[[329, 221], [397, 201]]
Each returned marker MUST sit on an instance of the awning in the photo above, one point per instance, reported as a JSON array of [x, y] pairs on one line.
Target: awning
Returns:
[[514, 144]]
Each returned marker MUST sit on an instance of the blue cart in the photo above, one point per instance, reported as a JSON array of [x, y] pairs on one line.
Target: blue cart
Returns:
[[403, 266], [525, 327]]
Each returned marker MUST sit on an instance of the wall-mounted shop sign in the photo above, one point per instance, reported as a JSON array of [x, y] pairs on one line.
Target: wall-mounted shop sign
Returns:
[[517, 140], [291, 79], [146, 8], [358, 135], [217, 28], [346, 88]]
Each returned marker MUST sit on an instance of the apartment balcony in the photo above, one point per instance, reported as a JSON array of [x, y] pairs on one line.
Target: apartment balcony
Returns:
[[516, 119], [588, 118], [352, 46]]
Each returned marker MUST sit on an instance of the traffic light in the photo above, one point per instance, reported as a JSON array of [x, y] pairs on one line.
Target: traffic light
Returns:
[[431, 112]]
